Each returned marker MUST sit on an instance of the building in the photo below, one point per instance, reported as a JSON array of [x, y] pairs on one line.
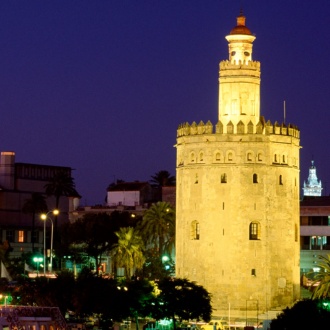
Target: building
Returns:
[[17, 182], [237, 194], [314, 231], [313, 186], [130, 194]]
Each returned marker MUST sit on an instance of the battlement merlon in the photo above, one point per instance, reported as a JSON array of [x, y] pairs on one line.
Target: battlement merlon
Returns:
[[228, 65], [264, 128]]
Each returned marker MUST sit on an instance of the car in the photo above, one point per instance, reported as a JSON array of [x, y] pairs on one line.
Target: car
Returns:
[[215, 325]]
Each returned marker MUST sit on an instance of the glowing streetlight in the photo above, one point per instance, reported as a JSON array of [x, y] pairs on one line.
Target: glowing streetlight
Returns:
[[44, 217], [37, 260], [6, 297]]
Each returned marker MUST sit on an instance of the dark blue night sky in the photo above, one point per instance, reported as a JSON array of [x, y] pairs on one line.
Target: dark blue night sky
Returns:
[[102, 85]]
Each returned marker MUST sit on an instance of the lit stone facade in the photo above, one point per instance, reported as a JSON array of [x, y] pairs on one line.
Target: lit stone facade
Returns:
[[237, 198]]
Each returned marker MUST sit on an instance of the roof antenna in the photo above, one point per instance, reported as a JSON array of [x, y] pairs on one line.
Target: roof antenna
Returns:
[[284, 109], [241, 10]]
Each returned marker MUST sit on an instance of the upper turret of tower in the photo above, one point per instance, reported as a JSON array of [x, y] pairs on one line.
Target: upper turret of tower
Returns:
[[313, 186], [240, 41], [239, 80]]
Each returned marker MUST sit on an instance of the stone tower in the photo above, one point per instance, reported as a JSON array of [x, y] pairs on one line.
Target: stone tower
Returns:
[[313, 186], [237, 207]]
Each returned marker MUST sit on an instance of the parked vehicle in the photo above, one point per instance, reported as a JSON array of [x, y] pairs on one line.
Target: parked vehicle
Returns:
[[215, 325]]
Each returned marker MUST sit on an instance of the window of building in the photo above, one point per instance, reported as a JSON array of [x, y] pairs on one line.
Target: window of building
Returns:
[[275, 158], [195, 230], [230, 156], [201, 157], [249, 156], [259, 157], [255, 178], [218, 157], [254, 230], [318, 242], [223, 178], [280, 180], [196, 179], [10, 235], [192, 157], [284, 159], [253, 272], [21, 236]]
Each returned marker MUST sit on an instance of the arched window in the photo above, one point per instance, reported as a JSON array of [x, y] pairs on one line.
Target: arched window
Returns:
[[254, 230], [259, 157], [192, 157], [201, 156], [275, 158], [249, 156], [218, 157], [255, 178], [230, 156], [223, 178], [195, 230]]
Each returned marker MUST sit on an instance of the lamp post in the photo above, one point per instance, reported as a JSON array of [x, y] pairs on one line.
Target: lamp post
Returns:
[[37, 260], [5, 299], [44, 217]]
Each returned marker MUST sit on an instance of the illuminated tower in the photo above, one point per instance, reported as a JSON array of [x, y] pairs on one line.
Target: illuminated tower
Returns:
[[237, 206], [313, 187]]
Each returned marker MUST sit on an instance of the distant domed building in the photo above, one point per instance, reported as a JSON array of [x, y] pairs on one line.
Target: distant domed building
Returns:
[[237, 194], [313, 186]]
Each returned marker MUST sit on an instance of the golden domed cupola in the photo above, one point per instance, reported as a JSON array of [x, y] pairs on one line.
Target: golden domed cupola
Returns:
[[240, 41]]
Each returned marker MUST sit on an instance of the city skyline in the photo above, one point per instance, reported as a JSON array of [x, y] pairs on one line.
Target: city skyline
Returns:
[[102, 86]]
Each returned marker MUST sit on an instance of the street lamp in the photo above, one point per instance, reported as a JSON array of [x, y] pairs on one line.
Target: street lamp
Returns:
[[37, 260], [44, 217], [5, 299]]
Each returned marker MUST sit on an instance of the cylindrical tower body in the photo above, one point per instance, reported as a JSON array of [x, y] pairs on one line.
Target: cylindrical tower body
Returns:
[[237, 206]]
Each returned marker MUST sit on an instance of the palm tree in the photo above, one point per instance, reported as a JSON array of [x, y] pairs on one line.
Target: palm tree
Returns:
[[158, 226], [34, 205], [321, 283], [162, 178], [128, 252], [61, 184]]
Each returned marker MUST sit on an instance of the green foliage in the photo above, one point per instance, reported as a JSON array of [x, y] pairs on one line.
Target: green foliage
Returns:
[[304, 315], [113, 299], [91, 235], [154, 268], [158, 227], [184, 299], [162, 178], [321, 282], [128, 252], [34, 205], [61, 184]]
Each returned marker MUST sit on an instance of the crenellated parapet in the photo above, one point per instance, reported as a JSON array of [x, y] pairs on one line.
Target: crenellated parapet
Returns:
[[265, 128], [228, 65]]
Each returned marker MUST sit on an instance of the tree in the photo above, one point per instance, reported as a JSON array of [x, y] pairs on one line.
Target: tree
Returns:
[[60, 185], [321, 283], [158, 226], [304, 315], [92, 234], [183, 299], [162, 178], [34, 205], [128, 252]]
